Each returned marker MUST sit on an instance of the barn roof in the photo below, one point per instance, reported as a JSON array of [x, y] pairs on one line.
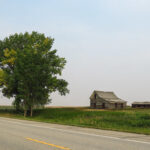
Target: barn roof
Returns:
[[108, 96], [141, 103]]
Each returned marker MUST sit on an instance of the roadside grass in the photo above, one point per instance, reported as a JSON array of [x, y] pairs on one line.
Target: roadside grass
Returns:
[[127, 120]]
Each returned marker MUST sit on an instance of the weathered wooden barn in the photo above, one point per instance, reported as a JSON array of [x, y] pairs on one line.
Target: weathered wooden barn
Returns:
[[141, 105], [106, 100]]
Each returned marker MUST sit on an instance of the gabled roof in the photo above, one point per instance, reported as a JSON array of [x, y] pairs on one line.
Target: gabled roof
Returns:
[[107, 96]]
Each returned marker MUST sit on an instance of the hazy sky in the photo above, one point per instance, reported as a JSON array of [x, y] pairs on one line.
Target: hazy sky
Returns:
[[106, 43]]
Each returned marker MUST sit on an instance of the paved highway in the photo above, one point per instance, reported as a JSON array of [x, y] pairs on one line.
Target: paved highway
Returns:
[[28, 135]]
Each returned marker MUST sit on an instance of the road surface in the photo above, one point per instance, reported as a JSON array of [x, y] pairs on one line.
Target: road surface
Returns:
[[28, 135]]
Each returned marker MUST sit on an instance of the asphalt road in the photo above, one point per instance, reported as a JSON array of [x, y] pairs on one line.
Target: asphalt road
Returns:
[[28, 135]]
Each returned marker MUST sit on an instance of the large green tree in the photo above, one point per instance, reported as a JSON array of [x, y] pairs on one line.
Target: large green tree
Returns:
[[29, 70]]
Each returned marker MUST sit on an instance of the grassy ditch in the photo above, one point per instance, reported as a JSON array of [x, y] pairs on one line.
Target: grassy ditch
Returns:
[[128, 120]]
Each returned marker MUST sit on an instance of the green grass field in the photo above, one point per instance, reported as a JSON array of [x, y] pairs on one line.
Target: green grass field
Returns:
[[128, 120]]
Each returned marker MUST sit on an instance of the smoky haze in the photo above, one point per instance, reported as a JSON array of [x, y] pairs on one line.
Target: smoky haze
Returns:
[[106, 44]]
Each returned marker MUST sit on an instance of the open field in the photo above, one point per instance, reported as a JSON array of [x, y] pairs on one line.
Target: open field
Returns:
[[127, 120]]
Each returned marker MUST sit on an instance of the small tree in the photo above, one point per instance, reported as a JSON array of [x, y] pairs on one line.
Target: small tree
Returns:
[[30, 70]]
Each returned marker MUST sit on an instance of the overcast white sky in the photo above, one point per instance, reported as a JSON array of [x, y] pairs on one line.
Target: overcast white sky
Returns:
[[106, 43]]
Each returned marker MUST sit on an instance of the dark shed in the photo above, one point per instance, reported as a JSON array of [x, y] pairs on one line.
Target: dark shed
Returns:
[[141, 105]]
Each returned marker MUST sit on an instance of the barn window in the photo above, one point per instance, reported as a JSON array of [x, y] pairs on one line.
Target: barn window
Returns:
[[95, 96]]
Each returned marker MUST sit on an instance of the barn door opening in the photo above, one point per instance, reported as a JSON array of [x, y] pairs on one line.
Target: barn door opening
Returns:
[[116, 105], [121, 105], [103, 105]]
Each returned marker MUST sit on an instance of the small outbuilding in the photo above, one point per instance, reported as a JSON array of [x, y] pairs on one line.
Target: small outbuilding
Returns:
[[141, 105], [106, 100]]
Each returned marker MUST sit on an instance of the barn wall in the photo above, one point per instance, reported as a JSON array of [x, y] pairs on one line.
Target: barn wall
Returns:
[[99, 103], [119, 106], [92, 103], [111, 106], [124, 105]]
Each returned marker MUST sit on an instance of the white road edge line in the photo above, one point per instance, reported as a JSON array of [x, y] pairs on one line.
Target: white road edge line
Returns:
[[76, 132]]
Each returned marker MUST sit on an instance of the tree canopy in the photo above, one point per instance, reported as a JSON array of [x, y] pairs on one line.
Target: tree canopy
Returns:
[[30, 70]]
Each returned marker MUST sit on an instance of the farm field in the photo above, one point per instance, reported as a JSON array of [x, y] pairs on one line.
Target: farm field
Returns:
[[127, 120]]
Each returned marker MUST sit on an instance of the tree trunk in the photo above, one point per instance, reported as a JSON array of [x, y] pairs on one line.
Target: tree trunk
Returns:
[[31, 111], [25, 109], [25, 113]]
